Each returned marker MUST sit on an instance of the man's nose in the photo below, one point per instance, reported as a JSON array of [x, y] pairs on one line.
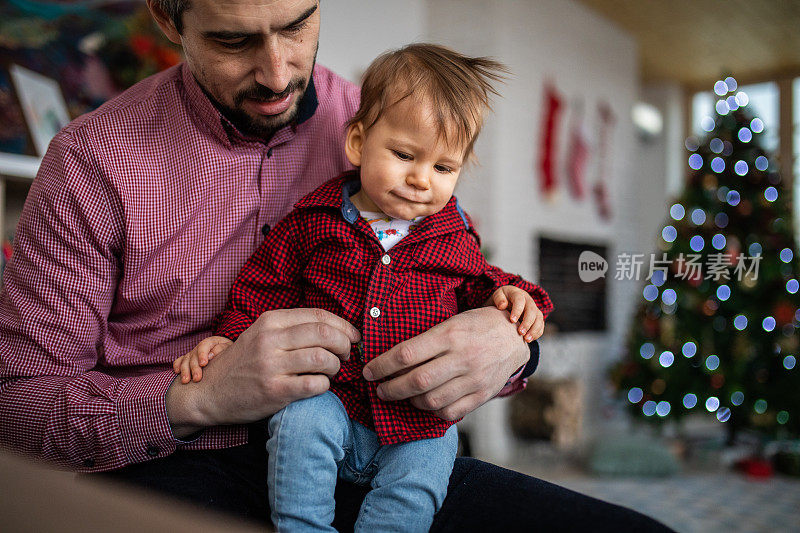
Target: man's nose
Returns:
[[271, 68]]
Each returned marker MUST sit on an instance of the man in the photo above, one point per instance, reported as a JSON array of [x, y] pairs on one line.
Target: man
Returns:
[[138, 221]]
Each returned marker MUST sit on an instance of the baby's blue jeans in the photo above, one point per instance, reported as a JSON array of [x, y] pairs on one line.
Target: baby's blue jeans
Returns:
[[313, 441]]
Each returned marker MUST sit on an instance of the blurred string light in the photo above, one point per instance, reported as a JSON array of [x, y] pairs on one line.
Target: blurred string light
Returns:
[[745, 135], [718, 241], [730, 83], [663, 408], [647, 350], [789, 362], [760, 406], [666, 359], [740, 322], [718, 165], [689, 349], [762, 163], [635, 395], [712, 362], [768, 324], [697, 243], [733, 198], [698, 216], [723, 292], [689, 400], [742, 99], [782, 417], [722, 107], [754, 249], [737, 398], [669, 233], [677, 212], [707, 123], [757, 125], [691, 144], [724, 414], [792, 286], [658, 278], [650, 293], [712, 404], [721, 220], [727, 148], [716, 145], [696, 161], [721, 88], [787, 255], [771, 194], [740, 168], [733, 105], [669, 296], [649, 408]]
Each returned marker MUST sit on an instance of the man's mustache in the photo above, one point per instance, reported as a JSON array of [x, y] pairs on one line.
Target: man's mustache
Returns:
[[259, 92]]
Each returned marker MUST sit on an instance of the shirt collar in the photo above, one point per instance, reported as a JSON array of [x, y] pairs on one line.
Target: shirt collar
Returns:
[[205, 110], [337, 192]]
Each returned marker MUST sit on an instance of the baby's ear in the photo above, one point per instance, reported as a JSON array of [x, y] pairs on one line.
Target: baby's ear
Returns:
[[354, 142]]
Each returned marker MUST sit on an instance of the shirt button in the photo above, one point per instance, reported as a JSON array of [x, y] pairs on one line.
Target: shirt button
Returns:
[[374, 312], [386, 259], [153, 450]]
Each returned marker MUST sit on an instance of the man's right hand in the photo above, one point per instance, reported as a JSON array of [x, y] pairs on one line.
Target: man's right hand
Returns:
[[286, 355]]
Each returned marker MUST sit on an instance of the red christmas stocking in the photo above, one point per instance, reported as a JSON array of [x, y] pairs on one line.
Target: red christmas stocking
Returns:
[[607, 121], [552, 111]]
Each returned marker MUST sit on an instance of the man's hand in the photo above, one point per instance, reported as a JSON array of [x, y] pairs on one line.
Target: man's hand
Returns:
[[454, 367], [286, 355]]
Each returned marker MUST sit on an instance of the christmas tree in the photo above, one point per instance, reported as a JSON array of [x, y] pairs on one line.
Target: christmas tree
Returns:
[[717, 331]]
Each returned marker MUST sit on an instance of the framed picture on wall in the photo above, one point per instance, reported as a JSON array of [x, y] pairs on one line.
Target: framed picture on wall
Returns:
[[42, 104]]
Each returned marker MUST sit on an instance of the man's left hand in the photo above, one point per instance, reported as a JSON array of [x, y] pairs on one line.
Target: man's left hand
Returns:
[[454, 367]]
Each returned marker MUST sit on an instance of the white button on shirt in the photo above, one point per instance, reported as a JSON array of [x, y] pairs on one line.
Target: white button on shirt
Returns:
[[374, 312], [386, 259]]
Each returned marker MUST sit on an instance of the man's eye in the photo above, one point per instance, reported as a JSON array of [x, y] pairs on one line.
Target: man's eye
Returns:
[[402, 155], [234, 45], [296, 28]]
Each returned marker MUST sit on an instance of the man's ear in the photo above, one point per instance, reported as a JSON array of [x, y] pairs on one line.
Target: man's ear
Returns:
[[164, 21], [354, 143]]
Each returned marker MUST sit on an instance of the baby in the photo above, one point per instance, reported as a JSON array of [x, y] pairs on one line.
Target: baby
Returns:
[[388, 248]]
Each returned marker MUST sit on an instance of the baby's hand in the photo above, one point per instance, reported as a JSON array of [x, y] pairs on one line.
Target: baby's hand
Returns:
[[523, 308], [190, 366]]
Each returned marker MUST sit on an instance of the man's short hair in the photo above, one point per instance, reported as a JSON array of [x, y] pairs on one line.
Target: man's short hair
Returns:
[[456, 86], [174, 10]]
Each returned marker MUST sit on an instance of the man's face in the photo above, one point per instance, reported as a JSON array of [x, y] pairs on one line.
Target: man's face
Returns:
[[254, 58]]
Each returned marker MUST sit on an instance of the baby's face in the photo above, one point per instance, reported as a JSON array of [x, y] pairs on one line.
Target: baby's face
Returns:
[[407, 170]]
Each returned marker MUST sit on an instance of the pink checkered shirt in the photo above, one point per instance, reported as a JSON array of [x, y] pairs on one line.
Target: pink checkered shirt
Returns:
[[141, 215]]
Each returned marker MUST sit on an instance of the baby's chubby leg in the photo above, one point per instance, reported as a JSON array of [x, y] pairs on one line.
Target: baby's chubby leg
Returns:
[[306, 441], [410, 484]]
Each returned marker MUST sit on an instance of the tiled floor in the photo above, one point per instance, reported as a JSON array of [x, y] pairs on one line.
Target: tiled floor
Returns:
[[703, 502]]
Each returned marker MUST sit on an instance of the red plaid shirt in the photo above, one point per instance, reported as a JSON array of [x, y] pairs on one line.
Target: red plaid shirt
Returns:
[[325, 255]]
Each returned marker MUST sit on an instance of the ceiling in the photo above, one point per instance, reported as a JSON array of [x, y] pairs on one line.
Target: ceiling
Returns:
[[695, 42]]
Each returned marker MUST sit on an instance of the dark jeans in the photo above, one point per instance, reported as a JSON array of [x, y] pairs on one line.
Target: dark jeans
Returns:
[[480, 497]]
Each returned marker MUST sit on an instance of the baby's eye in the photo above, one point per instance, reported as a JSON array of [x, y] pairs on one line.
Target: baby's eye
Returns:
[[443, 169], [402, 155]]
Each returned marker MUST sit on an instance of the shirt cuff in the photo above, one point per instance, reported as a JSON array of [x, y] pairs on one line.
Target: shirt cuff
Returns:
[[519, 380], [142, 415]]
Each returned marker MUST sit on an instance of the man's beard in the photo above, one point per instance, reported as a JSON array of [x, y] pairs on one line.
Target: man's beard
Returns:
[[264, 126]]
